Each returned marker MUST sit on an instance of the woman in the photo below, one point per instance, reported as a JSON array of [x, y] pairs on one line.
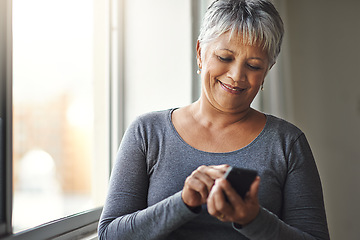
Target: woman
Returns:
[[167, 182]]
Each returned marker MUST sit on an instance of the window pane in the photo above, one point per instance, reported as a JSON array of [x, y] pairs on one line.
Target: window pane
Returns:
[[54, 96], [157, 68]]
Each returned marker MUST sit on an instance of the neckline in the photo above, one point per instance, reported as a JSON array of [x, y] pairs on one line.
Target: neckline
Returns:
[[258, 137]]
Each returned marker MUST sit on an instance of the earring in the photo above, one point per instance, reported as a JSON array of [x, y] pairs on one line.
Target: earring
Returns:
[[262, 87], [198, 71]]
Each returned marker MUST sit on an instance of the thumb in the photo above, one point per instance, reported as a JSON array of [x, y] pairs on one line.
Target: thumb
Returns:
[[254, 188]]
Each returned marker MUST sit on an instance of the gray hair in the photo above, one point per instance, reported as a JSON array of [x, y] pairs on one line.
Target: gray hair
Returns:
[[256, 21]]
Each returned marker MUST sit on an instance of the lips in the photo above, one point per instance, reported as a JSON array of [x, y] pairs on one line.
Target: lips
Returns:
[[231, 89]]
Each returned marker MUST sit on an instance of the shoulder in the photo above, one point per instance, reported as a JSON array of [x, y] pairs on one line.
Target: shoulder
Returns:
[[150, 123], [280, 131], [288, 141], [146, 128], [153, 118], [280, 126]]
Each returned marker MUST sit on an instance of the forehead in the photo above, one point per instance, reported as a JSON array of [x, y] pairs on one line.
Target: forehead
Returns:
[[236, 43]]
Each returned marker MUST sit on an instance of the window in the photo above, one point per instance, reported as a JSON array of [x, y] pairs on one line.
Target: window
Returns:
[[54, 116], [54, 110], [74, 74]]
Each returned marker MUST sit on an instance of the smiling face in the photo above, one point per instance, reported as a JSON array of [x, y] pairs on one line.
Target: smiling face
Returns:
[[231, 72]]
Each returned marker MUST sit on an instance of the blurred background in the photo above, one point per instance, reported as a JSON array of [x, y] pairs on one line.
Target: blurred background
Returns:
[[54, 103], [83, 70]]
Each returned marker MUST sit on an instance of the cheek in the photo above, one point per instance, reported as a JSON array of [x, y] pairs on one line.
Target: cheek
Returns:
[[258, 78], [214, 69]]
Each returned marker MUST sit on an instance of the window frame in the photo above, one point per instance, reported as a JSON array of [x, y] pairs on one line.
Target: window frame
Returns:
[[83, 224], [77, 226], [6, 117]]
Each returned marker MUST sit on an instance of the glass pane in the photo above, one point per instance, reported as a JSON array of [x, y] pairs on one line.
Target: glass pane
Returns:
[[53, 111]]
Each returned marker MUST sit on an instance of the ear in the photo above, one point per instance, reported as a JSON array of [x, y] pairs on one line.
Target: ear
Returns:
[[198, 54]]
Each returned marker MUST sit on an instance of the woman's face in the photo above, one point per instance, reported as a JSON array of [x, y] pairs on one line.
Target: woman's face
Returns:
[[231, 72]]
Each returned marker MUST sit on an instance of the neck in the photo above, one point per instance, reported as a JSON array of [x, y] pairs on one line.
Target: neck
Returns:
[[209, 116]]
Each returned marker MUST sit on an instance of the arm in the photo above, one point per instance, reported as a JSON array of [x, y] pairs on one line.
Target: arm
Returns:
[[303, 214], [126, 214]]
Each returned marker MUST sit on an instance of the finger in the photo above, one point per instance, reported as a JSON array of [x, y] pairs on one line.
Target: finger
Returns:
[[219, 197], [211, 205], [212, 209], [190, 196], [221, 207], [202, 175], [254, 189], [216, 171], [222, 167], [199, 184]]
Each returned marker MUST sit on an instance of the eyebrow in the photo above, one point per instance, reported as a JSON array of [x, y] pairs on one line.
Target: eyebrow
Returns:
[[226, 49], [257, 58]]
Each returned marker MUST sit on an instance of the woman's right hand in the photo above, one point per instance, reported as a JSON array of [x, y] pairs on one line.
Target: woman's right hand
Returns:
[[198, 185]]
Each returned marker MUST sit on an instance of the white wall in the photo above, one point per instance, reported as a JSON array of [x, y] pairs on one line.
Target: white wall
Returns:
[[157, 55], [321, 92], [324, 44]]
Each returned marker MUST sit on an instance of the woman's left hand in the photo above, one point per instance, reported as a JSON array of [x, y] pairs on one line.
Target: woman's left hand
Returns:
[[236, 209]]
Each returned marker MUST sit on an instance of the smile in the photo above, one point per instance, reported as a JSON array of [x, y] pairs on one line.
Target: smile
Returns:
[[230, 89]]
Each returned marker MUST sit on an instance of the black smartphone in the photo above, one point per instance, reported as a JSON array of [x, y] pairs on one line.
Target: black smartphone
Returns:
[[240, 179]]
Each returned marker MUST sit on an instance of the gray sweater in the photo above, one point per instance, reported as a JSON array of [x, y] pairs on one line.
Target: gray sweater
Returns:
[[144, 198]]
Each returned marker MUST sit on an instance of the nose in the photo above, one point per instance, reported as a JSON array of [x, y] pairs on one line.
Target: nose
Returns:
[[237, 73]]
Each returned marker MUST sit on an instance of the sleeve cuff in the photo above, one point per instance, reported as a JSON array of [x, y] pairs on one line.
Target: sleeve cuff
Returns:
[[192, 211], [257, 225]]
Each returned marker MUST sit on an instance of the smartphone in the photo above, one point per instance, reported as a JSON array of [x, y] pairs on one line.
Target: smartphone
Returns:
[[240, 179]]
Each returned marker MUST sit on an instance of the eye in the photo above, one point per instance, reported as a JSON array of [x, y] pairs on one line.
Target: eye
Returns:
[[225, 59], [253, 67]]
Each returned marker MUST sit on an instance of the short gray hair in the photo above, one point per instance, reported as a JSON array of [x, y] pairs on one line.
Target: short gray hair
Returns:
[[256, 21]]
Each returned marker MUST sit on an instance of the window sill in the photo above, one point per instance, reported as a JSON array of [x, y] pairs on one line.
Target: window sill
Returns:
[[82, 226]]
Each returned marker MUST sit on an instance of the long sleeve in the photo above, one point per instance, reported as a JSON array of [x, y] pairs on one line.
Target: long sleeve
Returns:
[[144, 195], [303, 214], [126, 214]]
